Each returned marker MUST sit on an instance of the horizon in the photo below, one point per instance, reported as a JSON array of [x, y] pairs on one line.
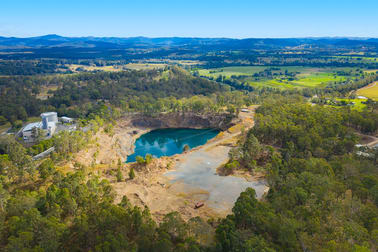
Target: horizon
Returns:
[[191, 37], [197, 19]]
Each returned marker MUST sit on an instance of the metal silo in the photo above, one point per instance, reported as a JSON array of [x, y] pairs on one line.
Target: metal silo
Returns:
[[49, 117]]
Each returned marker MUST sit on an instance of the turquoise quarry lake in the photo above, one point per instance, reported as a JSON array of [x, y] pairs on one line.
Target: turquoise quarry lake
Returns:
[[168, 142]]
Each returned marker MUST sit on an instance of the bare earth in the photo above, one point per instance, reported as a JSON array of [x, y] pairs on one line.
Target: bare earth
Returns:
[[111, 148], [174, 183]]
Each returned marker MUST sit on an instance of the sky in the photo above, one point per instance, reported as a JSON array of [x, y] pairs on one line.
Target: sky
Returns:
[[190, 18]]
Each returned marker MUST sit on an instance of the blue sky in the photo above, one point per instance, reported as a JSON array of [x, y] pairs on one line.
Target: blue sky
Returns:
[[190, 18]]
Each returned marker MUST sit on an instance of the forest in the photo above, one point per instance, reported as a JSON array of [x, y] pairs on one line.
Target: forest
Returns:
[[79, 95], [322, 195], [323, 188]]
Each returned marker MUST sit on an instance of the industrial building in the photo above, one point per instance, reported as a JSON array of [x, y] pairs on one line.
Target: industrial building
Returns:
[[66, 119], [49, 117], [48, 125], [27, 131], [49, 121]]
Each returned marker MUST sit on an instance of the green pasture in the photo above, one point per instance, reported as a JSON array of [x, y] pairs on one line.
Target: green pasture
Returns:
[[358, 58], [306, 77], [317, 79], [229, 71], [355, 104], [370, 91]]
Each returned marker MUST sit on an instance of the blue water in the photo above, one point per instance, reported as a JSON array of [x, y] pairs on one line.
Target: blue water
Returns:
[[168, 142]]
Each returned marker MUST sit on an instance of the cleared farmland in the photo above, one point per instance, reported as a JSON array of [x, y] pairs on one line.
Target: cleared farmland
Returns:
[[282, 77], [370, 91]]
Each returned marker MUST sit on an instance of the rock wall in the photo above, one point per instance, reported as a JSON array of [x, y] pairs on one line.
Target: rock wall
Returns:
[[184, 120]]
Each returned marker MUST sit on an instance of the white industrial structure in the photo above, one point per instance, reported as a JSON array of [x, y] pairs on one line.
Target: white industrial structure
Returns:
[[27, 131], [48, 125], [66, 119], [49, 117], [49, 121]]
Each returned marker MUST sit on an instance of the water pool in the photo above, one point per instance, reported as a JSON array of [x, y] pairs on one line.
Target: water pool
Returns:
[[168, 142]]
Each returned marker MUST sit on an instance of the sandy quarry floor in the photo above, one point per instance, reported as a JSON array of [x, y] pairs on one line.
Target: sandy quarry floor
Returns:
[[110, 148], [165, 185], [197, 169]]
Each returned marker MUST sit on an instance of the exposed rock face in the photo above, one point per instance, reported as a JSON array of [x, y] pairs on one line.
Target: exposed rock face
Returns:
[[184, 120]]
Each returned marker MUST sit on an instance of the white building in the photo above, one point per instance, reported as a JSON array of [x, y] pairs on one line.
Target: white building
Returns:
[[66, 119], [49, 117], [28, 129], [51, 127]]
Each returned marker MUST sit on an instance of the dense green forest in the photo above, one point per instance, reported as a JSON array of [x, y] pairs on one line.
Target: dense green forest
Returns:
[[322, 195], [79, 95], [152, 91], [23, 67], [323, 192]]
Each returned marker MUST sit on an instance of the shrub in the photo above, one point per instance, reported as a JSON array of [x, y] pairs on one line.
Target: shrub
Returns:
[[131, 173], [186, 148], [119, 175], [231, 166], [148, 159], [139, 160]]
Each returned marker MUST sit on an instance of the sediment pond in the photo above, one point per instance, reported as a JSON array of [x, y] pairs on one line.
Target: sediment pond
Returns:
[[195, 174]]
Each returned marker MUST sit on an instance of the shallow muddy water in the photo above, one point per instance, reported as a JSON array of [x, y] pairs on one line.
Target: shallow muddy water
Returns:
[[197, 170]]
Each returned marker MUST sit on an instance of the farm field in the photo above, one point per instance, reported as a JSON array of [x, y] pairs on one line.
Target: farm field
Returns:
[[116, 68], [159, 64], [356, 104], [281, 77], [359, 58], [314, 80], [371, 71], [144, 66], [229, 71], [370, 91], [79, 67]]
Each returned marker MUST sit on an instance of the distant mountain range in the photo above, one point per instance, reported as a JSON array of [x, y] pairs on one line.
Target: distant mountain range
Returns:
[[56, 41]]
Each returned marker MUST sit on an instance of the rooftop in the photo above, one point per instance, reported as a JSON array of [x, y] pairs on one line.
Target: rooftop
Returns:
[[48, 113], [30, 126]]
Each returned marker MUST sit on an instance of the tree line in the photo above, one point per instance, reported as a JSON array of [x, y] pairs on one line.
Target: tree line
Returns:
[[79, 94]]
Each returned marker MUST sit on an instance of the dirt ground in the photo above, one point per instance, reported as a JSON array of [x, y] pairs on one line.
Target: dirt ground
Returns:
[[107, 149], [151, 187], [368, 140]]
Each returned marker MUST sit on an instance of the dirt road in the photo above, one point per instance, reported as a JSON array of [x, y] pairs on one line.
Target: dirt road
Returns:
[[368, 140]]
